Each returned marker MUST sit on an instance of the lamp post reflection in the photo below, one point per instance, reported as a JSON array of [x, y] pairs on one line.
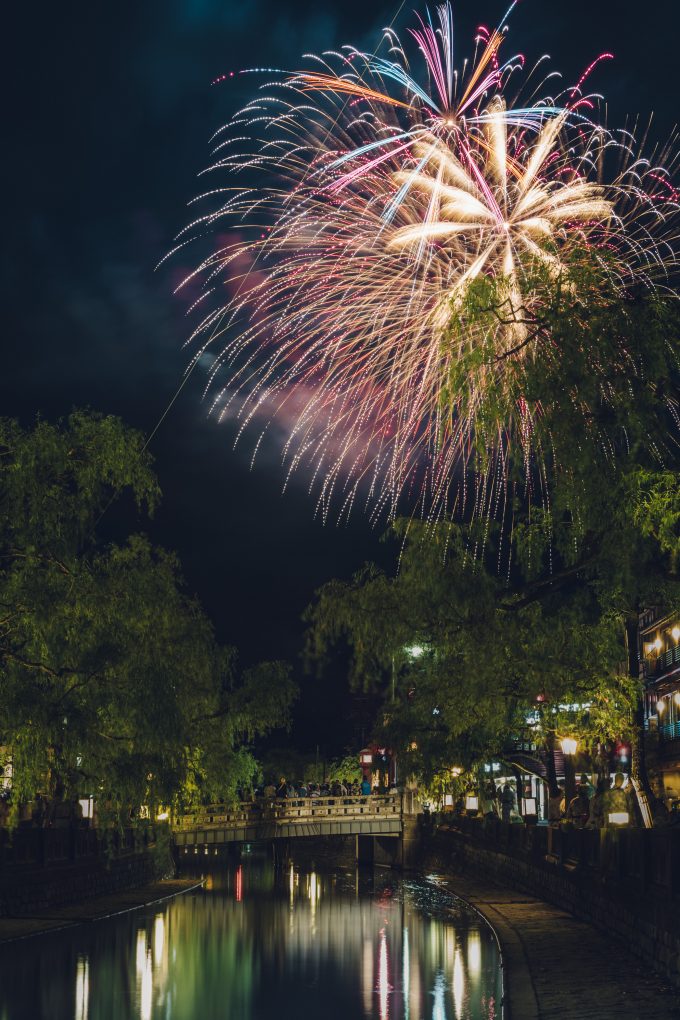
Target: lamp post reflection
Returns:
[[406, 974], [439, 1008], [458, 985], [144, 976], [314, 894], [474, 955], [450, 939], [367, 977], [82, 988], [383, 977], [158, 939]]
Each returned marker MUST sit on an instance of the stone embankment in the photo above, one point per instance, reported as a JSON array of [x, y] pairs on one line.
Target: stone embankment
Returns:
[[42, 870], [588, 921]]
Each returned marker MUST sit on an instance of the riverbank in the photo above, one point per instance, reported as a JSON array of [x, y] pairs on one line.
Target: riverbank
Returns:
[[46, 871], [622, 883], [559, 968], [96, 909]]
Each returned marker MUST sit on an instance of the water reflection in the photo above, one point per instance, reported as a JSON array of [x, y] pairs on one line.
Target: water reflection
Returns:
[[82, 988], [255, 944], [439, 1011], [383, 978], [458, 985]]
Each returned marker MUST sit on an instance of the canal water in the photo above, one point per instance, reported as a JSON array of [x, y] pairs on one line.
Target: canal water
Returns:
[[260, 944]]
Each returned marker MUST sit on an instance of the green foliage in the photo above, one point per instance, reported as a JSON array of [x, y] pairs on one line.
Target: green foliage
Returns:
[[296, 766], [344, 769], [513, 632], [111, 681], [489, 651]]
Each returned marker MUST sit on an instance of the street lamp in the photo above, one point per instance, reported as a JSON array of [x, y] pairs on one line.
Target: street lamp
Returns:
[[415, 651], [569, 746]]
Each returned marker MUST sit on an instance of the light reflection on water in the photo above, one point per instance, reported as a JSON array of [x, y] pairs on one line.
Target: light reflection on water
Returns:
[[256, 944]]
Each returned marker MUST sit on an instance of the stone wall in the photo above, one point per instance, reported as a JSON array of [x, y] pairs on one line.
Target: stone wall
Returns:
[[626, 883], [29, 887]]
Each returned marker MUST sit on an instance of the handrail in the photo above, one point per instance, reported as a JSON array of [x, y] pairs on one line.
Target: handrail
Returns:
[[295, 809]]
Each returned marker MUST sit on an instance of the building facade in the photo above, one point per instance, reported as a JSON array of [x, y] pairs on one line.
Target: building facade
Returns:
[[659, 652]]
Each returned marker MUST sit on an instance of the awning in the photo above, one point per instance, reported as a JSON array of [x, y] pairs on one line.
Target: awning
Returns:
[[527, 763]]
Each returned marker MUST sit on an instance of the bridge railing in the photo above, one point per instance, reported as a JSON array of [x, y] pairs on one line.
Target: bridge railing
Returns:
[[297, 809]]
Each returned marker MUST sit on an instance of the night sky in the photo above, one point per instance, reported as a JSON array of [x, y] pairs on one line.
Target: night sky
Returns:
[[109, 120]]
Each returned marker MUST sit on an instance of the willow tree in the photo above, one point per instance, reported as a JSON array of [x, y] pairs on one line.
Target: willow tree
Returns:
[[512, 615], [111, 681]]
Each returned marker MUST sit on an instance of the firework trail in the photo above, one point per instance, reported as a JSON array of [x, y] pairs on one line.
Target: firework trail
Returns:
[[362, 205]]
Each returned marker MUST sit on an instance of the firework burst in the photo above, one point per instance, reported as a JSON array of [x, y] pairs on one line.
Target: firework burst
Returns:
[[370, 201]]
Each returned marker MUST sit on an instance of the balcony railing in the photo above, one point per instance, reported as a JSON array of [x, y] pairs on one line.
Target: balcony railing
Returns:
[[654, 668], [670, 731]]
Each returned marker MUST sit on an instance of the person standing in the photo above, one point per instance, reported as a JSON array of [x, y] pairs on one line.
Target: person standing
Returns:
[[556, 805], [282, 789], [487, 801], [507, 802], [590, 789], [596, 818], [616, 801], [579, 807]]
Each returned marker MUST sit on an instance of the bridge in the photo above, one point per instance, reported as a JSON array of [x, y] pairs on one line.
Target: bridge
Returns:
[[215, 825]]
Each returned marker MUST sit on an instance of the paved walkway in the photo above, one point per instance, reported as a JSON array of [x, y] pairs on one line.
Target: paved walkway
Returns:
[[93, 910], [559, 968]]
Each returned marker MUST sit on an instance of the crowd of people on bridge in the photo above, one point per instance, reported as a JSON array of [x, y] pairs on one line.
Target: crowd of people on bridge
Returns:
[[287, 789]]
